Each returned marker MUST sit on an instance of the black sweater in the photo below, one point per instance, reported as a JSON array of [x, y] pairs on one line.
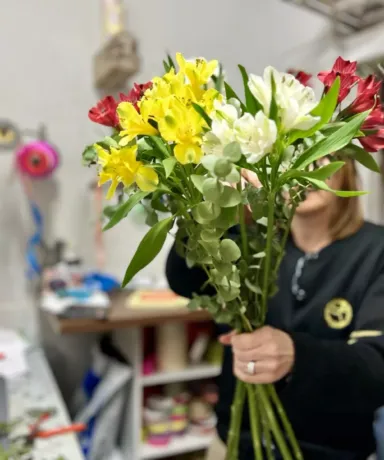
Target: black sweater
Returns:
[[332, 305]]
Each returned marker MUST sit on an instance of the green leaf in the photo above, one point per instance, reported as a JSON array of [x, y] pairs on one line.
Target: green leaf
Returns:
[[124, 209], [229, 251], [324, 186], [273, 110], [169, 165], [224, 268], [228, 293], [157, 143], [148, 248], [152, 218], [253, 105], [230, 197], [203, 113], [223, 167], [332, 143], [89, 155], [322, 173], [324, 109], [233, 152], [230, 94], [157, 203], [362, 156], [198, 181], [212, 189], [252, 287], [209, 162], [227, 218], [205, 212]]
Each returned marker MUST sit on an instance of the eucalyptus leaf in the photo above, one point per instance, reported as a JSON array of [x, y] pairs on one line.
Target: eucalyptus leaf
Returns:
[[213, 189], [336, 141], [362, 156], [124, 209], [234, 176], [222, 167], [169, 165], [198, 182], [205, 212], [324, 186], [253, 105], [148, 248], [211, 234], [230, 197], [209, 162], [252, 287], [226, 219], [233, 152], [229, 251], [224, 268], [228, 294]]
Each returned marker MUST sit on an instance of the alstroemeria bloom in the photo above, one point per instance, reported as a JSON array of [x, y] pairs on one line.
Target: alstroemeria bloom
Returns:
[[198, 72], [256, 135], [222, 129], [133, 123], [295, 101], [121, 166], [367, 95], [104, 113], [303, 77], [343, 69], [184, 126], [373, 126], [136, 93]]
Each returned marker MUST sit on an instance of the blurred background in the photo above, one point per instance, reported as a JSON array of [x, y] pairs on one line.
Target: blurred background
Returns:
[[48, 81]]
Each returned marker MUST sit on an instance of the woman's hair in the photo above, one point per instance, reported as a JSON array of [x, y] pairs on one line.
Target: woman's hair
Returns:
[[348, 217]]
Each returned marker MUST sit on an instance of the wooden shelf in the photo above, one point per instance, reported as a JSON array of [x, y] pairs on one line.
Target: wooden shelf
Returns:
[[194, 372], [121, 316], [177, 446]]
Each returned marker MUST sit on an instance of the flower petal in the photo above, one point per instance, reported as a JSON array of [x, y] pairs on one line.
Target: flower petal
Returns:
[[147, 179]]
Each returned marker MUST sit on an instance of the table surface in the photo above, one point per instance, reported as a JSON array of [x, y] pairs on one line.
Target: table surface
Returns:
[[37, 390], [120, 316]]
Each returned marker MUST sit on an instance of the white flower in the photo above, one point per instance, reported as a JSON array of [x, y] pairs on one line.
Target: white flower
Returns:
[[295, 101], [222, 132], [256, 135]]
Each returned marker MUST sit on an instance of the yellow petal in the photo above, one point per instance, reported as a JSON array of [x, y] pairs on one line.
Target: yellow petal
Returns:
[[127, 113], [188, 153], [112, 189], [181, 61], [147, 179]]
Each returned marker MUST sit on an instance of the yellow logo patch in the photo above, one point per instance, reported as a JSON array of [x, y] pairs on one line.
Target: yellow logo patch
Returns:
[[338, 313]]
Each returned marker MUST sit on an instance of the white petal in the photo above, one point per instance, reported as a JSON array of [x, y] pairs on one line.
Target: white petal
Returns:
[[261, 90]]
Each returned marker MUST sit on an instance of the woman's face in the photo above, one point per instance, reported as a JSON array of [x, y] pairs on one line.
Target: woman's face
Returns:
[[319, 200]]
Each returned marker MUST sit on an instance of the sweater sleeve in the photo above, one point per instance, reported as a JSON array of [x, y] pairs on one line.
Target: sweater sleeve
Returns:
[[185, 281], [346, 377]]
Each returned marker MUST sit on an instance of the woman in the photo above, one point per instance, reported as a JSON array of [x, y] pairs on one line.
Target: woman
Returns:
[[324, 343]]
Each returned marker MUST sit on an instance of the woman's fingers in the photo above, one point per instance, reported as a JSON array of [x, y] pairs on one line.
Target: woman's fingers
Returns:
[[263, 373], [226, 339], [251, 177]]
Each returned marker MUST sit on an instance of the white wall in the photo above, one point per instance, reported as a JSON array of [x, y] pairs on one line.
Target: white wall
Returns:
[[46, 77]]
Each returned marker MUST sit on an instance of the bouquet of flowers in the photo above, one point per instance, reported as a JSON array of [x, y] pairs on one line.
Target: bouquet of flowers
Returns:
[[182, 144]]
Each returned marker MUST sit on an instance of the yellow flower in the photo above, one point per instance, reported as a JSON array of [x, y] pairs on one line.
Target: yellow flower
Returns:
[[121, 166], [188, 153], [133, 123], [198, 72], [208, 99]]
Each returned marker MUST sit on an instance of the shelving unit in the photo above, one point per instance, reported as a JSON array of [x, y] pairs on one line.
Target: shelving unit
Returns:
[[197, 372], [182, 445]]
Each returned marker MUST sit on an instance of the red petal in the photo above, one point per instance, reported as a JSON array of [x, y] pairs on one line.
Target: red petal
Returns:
[[344, 67]]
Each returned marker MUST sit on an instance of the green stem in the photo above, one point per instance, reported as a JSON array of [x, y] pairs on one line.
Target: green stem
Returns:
[[243, 227], [268, 251], [255, 419], [266, 432], [236, 419], [285, 238], [286, 423], [274, 426]]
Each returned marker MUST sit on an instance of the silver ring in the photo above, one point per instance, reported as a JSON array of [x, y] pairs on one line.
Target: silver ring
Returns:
[[251, 368]]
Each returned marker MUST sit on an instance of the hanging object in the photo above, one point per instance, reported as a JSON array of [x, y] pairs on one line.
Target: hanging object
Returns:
[[348, 16], [37, 159], [9, 135], [117, 60]]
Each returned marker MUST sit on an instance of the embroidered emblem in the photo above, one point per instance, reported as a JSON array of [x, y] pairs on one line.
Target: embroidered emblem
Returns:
[[338, 313]]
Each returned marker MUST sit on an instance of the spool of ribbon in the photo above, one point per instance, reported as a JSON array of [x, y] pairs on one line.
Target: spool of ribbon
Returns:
[[37, 159]]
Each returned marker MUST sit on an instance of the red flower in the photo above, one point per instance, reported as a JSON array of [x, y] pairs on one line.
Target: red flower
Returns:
[[346, 71], [303, 77], [136, 93], [104, 113], [373, 142], [374, 128], [367, 95]]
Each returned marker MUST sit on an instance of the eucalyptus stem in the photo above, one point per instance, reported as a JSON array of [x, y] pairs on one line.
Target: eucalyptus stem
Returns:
[[255, 420], [286, 423], [274, 426], [236, 419]]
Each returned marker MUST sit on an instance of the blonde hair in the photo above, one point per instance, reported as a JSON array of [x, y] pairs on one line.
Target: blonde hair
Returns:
[[348, 217]]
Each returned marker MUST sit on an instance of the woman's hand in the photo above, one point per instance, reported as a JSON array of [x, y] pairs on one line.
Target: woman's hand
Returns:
[[271, 350]]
